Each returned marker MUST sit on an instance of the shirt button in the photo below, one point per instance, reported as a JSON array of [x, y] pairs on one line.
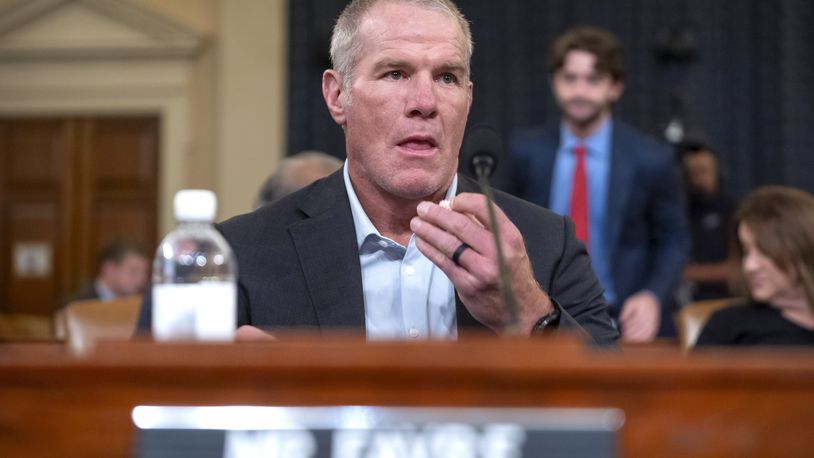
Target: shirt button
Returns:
[[413, 332], [409, 270], [382, 243]]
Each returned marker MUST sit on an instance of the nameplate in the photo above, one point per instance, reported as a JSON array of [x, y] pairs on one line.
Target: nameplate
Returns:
[[375, 432]]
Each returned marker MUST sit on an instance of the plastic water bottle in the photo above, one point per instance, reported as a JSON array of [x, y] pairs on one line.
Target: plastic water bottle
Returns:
[[194, 275]]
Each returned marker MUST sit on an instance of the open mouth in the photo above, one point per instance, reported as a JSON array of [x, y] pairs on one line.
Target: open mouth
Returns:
[[418, 144]]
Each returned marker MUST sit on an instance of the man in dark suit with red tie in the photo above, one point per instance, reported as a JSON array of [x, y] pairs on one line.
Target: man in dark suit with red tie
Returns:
[[619, 186]]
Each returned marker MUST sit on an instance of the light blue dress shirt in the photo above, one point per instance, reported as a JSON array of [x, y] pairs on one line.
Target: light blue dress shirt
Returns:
[[597, 167], [406, 295]]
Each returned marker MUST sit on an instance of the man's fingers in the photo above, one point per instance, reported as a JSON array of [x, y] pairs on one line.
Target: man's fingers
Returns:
[[475, 205], [643, 334], [511, 241], [441, 240], [629, 311], [636, 337], [476, 263], [635, 331], [459, 225], [247, 333], [458, 275], [638, 322]]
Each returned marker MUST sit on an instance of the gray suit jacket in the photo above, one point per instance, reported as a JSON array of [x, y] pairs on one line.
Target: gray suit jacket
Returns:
[[299, 265]]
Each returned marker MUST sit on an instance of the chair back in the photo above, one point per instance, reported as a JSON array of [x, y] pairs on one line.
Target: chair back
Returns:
[[88, 321], [23, 327], [691, 318]]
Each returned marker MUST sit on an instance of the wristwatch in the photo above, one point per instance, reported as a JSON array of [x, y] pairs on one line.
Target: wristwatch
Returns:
[[547, 323]]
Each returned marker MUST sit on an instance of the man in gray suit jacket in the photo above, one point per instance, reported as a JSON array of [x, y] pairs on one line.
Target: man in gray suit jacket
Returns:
[[373, 246]]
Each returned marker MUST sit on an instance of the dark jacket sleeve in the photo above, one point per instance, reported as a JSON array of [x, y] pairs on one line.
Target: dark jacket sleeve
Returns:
[[576, 289], [145, 317], [670, 237], [520, 154], [561, 267]]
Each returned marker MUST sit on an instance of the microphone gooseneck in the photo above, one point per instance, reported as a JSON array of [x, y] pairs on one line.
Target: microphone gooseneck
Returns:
[[482, 147]]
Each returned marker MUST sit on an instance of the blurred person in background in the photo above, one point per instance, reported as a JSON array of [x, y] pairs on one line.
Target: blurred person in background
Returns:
[[294, 173], [775, 249], [123, 270], [709, 210], [620, 186]]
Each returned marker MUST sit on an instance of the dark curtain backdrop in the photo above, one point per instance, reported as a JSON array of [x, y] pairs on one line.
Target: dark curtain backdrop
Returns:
[[749, 92]]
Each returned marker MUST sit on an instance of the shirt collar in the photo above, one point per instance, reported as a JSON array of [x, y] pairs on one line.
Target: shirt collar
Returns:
[[597, 143], [103, 291], [361, 222]]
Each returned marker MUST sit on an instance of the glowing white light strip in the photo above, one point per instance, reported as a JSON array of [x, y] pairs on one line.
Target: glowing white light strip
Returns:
[[248, 418]]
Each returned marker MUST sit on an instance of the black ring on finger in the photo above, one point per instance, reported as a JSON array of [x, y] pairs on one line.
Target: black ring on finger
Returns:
[[457, 254]]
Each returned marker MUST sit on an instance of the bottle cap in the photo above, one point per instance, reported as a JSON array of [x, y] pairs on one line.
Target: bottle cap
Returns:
[[195, 205]]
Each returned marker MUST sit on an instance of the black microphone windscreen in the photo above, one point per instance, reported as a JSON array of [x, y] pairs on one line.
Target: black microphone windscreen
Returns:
[[482, 146]]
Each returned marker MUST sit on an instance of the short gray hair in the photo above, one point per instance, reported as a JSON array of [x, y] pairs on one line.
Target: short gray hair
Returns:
[[292, 172], [345, 45]]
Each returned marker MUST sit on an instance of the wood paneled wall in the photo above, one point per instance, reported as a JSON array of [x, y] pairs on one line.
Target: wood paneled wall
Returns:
[[67, 186]]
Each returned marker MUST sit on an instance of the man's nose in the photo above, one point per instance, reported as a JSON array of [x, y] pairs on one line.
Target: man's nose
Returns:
[[579, 86], [422, 100]]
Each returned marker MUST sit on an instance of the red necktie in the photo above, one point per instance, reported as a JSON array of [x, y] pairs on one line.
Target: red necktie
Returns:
[[579, 196]]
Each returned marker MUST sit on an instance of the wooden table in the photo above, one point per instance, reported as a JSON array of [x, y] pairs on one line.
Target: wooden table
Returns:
[[755, 402]]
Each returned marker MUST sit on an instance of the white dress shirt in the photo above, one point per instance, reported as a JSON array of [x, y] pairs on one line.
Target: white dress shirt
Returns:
[[406, 295]]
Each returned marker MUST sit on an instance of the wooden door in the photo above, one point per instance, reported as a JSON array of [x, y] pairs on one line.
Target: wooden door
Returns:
[[67, 186]]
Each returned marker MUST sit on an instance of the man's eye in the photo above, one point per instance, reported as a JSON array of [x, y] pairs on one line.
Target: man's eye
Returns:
[[449, 78], [395, 75]]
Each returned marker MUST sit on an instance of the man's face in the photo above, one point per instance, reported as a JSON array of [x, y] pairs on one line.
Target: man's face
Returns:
[[702, 173], [128, 277], [583, 94], [409, 99]]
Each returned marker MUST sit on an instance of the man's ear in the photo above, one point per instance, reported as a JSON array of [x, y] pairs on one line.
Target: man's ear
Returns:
[[617, 90], [334, 95]]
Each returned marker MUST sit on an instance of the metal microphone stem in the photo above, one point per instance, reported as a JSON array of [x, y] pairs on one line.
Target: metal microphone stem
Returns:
[[506, 292]]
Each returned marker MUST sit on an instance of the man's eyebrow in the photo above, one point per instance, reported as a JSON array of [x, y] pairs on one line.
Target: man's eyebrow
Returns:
[[453, 66], [388, 63]]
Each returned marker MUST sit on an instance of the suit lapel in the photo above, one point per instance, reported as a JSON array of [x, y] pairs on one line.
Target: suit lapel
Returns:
[[325, 242], [622, 172]]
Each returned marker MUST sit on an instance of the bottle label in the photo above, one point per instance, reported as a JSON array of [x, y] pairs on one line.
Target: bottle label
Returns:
[[201, 311]]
